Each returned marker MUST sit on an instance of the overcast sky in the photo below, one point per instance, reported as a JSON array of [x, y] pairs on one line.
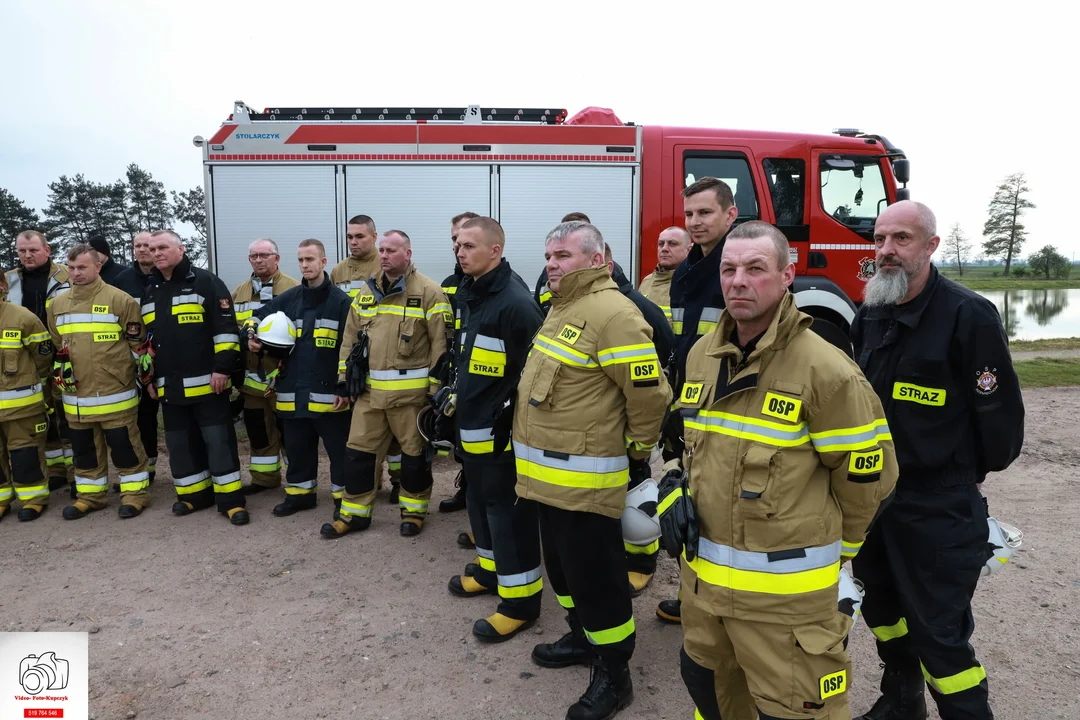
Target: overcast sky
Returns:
[[970, 95]]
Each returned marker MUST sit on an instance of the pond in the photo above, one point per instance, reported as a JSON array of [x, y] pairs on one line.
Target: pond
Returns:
[[1037, 314]]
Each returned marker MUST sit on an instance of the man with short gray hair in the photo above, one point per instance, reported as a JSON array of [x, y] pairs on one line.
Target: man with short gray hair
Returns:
[[672, 247]]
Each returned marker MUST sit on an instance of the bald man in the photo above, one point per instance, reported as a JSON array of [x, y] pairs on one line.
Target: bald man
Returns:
[[672, 247]]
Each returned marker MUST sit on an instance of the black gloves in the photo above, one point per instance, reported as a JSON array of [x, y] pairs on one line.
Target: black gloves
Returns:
[[504, 424], [356, 367], [678, 523]]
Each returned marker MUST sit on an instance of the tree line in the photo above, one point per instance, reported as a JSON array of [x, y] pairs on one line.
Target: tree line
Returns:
[[79, 209], [1005, 236]]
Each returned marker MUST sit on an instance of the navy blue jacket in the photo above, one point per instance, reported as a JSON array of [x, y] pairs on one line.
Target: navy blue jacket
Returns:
[[696, 301]]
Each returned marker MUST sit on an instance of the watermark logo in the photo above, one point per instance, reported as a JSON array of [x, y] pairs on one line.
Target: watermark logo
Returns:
[[44, 675]]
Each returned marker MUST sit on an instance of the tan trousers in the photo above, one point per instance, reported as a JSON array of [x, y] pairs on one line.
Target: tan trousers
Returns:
[[264, 439], [121, 436], [23, 472], [58, 452]]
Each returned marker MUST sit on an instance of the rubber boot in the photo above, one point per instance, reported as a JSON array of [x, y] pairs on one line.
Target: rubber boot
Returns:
[[76, 510], [465, 541], [30, 512], [341, 528], [573, 648], [456, 501], [670, 611], [237, 516], [395, 489], [294, 504], [128, 511], [411, 526], [902, 698], [499, 628], [638, 582], [610, 690], [464, 586]]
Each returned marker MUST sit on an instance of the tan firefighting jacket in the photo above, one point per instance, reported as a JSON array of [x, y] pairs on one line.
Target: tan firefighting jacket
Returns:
[[101, 326], [351, 273], [252, 294], [789, 456], [591, 390], [657, 287], [406, 333], [58, 283], [26, 351]]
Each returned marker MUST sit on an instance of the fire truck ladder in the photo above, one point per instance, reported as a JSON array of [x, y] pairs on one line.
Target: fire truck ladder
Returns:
[[469, 115]]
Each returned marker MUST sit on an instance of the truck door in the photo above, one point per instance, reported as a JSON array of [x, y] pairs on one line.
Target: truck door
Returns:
[[731, 164], [788, 194]]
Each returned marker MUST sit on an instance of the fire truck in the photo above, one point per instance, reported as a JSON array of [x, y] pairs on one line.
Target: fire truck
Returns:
[[295, 173]]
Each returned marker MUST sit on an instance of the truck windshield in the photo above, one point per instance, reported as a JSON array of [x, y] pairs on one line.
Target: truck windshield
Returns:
[[853, 191]]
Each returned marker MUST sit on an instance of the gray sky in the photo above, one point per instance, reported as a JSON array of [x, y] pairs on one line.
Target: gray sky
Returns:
[[968, 94]]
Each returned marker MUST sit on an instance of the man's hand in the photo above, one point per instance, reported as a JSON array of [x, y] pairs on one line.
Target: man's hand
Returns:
[[218, 383], [340, 403], [254, 345]]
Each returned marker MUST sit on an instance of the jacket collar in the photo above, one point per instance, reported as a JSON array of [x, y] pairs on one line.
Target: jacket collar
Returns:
[[490, 282], [85, 292], [314, 296], [183, 271], [376, 283], [580, 283], [786, 324], [257, 283], [911, 312], [659, 273]]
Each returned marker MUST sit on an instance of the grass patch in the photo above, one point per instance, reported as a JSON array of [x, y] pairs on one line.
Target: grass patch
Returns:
[[1048, 344], [1048, 372], [977, 283]]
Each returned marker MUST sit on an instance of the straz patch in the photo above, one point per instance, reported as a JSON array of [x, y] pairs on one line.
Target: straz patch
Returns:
[[107, 336], [691, 393], [865, 466], [133, 330], [325, 342], [41, 427], [569, 334], [986, 382], [189, 318], [782, 407], [100, 309], [645, 373], [477, 367], [833, 684], [918, 394]]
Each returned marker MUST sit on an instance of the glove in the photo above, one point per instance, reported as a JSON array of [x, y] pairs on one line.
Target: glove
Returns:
[[63, 374], [640, 471], [444, 402], [356, 366], [504, 424], [678, 522]]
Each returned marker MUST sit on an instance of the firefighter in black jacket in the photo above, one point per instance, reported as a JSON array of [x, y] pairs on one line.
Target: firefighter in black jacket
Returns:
[[310, 401], [937, 355], [188, 313], [498, 322]]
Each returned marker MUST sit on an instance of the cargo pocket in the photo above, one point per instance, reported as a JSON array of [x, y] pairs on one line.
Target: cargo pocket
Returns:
[[407, 340], [821, 665], [11, 362], [755, 500], [542, 390]]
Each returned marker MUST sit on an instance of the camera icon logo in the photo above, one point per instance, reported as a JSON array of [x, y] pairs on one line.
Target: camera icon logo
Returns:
[[38, 673]]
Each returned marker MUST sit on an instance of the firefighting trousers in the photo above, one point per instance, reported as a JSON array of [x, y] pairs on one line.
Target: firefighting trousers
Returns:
[[302, 437], [264, 440], [58, 454], [586, 565], [22, 461], [920, 564], [507, 536], [392, 457], [749, 667], [148, 429], [369, 432], [121, 436], [201, 442]]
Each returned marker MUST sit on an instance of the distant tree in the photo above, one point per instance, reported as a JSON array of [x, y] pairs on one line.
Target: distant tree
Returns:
[[1004, 232], [1048, 260], [79, 209], [957, 248], [15, 217], [190, 207]]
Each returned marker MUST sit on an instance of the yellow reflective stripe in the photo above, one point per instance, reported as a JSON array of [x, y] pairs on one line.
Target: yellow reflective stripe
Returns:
[[521, 591], [850, 550], [546, 297], [285, 406], [91, 489], [325, 333], [479, 448], [747, 428], [566, 601], [101, 409], [265, 467], [392, 310], [243, 315], [349, 508], [23, 401], [228, 487], [323, 407], [136, 486], [197, 391], [252, 383], [148, 318], [486, 563], [222, 347], [439, 309], [450, 289], [186, 308], [341, 366], [770, 583], [407, 384], [572, 478], [649, 549], [704, 327], [626, 353], [885, 633], [959, 682], [38, 337], [612, 635], [87, 327], [27, 492], [697, 714], [860, 437], [412, 504], [669, 500]]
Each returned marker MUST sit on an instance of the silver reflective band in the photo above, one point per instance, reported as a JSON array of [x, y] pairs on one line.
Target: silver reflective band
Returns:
[[253, 305], [398, 374], [486, 554], [562, 353], [227, 478], [191, 479], [16, 394], [858, 438], [100, 399], [796, 436], [185, 299], [481, 435], [321, 398], [251, 375], [306, 485], [606, 356], [264, 459], [489, 343], [147, 308], [677, 313], [286, 397], [135, 477], [72, 318], [332, 324], [710, 314], [519, 578], [816, 557], [226, 338], [197, 381], [92, 481], [577, 463], [159, 382]]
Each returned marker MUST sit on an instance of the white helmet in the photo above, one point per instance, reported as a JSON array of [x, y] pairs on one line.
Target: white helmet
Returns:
[[277, 331], [851, 594], [640, 525], [1005, 539]]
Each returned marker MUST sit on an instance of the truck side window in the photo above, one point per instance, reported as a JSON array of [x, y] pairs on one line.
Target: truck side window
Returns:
[[787, 184], [735, 171], [853, 191]]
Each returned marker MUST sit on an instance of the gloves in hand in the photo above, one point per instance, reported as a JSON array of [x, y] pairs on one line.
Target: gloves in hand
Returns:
[[678, 522]]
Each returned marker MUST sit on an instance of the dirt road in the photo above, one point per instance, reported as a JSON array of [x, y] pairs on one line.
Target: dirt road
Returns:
[[191, 617]]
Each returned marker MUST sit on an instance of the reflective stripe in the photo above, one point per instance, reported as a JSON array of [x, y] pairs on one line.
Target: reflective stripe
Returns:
[[885, 633], [749, 428], [479, 441], [563, 353], [439, 309], [264, 463], [612, 635], [332, 324], [489, 343], [961, 681], [300, 488], [520, 585], [322, 402], [398, 379], [450, 289], [861, 437], [574, 471], [21, 397], [29, 492], [189, 299], [649, 549], [545, 296], [69, 323], [91, 486], [635, 445], [401, 310], [668, 501], [393, 462], [677, 315], [6, 494], [412, 504], [36, 338], [485, 558], [227, 341], [148, 313], [134, 482], [54, 457], [192, 483], [710, 316], [728, 567], [566, 601], [227, 483], [627, 353], [251, 380], [850, 550], [101, 404], [196, 381], [351, 509]]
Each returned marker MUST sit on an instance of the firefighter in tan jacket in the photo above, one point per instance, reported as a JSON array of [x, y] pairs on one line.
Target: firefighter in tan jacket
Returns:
[[97, 330], [402, 316], [788, 457], [591, 396], [672, 247], [352, 274], [264, 436], [26, 353]]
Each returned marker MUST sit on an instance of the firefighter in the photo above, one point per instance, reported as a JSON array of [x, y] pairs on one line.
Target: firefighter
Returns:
[[195, 348], [97, 329], [26, 350], [672, 247], [266, 282], [788, 458], [938, 357], [351, 274], [498, 320], [34, 285], [542, 293], [310, 401], [111, 272], [591, 396], [400, 314], [450, 286], [696, 301]]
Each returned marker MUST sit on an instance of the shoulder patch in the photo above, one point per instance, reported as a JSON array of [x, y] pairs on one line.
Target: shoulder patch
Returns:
[[45, 347], [986, 382], [133, 330], [225, 303]]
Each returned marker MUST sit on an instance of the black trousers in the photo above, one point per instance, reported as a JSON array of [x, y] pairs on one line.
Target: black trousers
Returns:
[[148, 428], [586, 565], [201, 441], [920, 564], [507, 535], [301, 437]]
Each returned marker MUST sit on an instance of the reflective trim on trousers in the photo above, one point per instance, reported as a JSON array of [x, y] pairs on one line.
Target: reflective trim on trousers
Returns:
[[351, 509], [301, 488], [91, 486], [28, 492], [520, 585], [192, 483], [613, 635], [485, 558], [412, 505], [134, 482], [264, 463], [227, 483]]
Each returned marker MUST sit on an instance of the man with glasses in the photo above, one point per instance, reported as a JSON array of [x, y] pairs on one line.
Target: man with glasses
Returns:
[[264, 438]]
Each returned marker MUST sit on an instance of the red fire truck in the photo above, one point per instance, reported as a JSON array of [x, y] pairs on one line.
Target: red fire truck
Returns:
[[294, 173]]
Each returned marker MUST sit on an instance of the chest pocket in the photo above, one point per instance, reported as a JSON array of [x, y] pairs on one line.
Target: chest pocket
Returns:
[[542, 388], [488, 356]]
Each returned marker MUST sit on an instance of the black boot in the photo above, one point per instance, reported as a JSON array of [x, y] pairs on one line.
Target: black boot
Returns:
[[573, 648], [295, 503], [902, 698], [453, 503], [610, 690]]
